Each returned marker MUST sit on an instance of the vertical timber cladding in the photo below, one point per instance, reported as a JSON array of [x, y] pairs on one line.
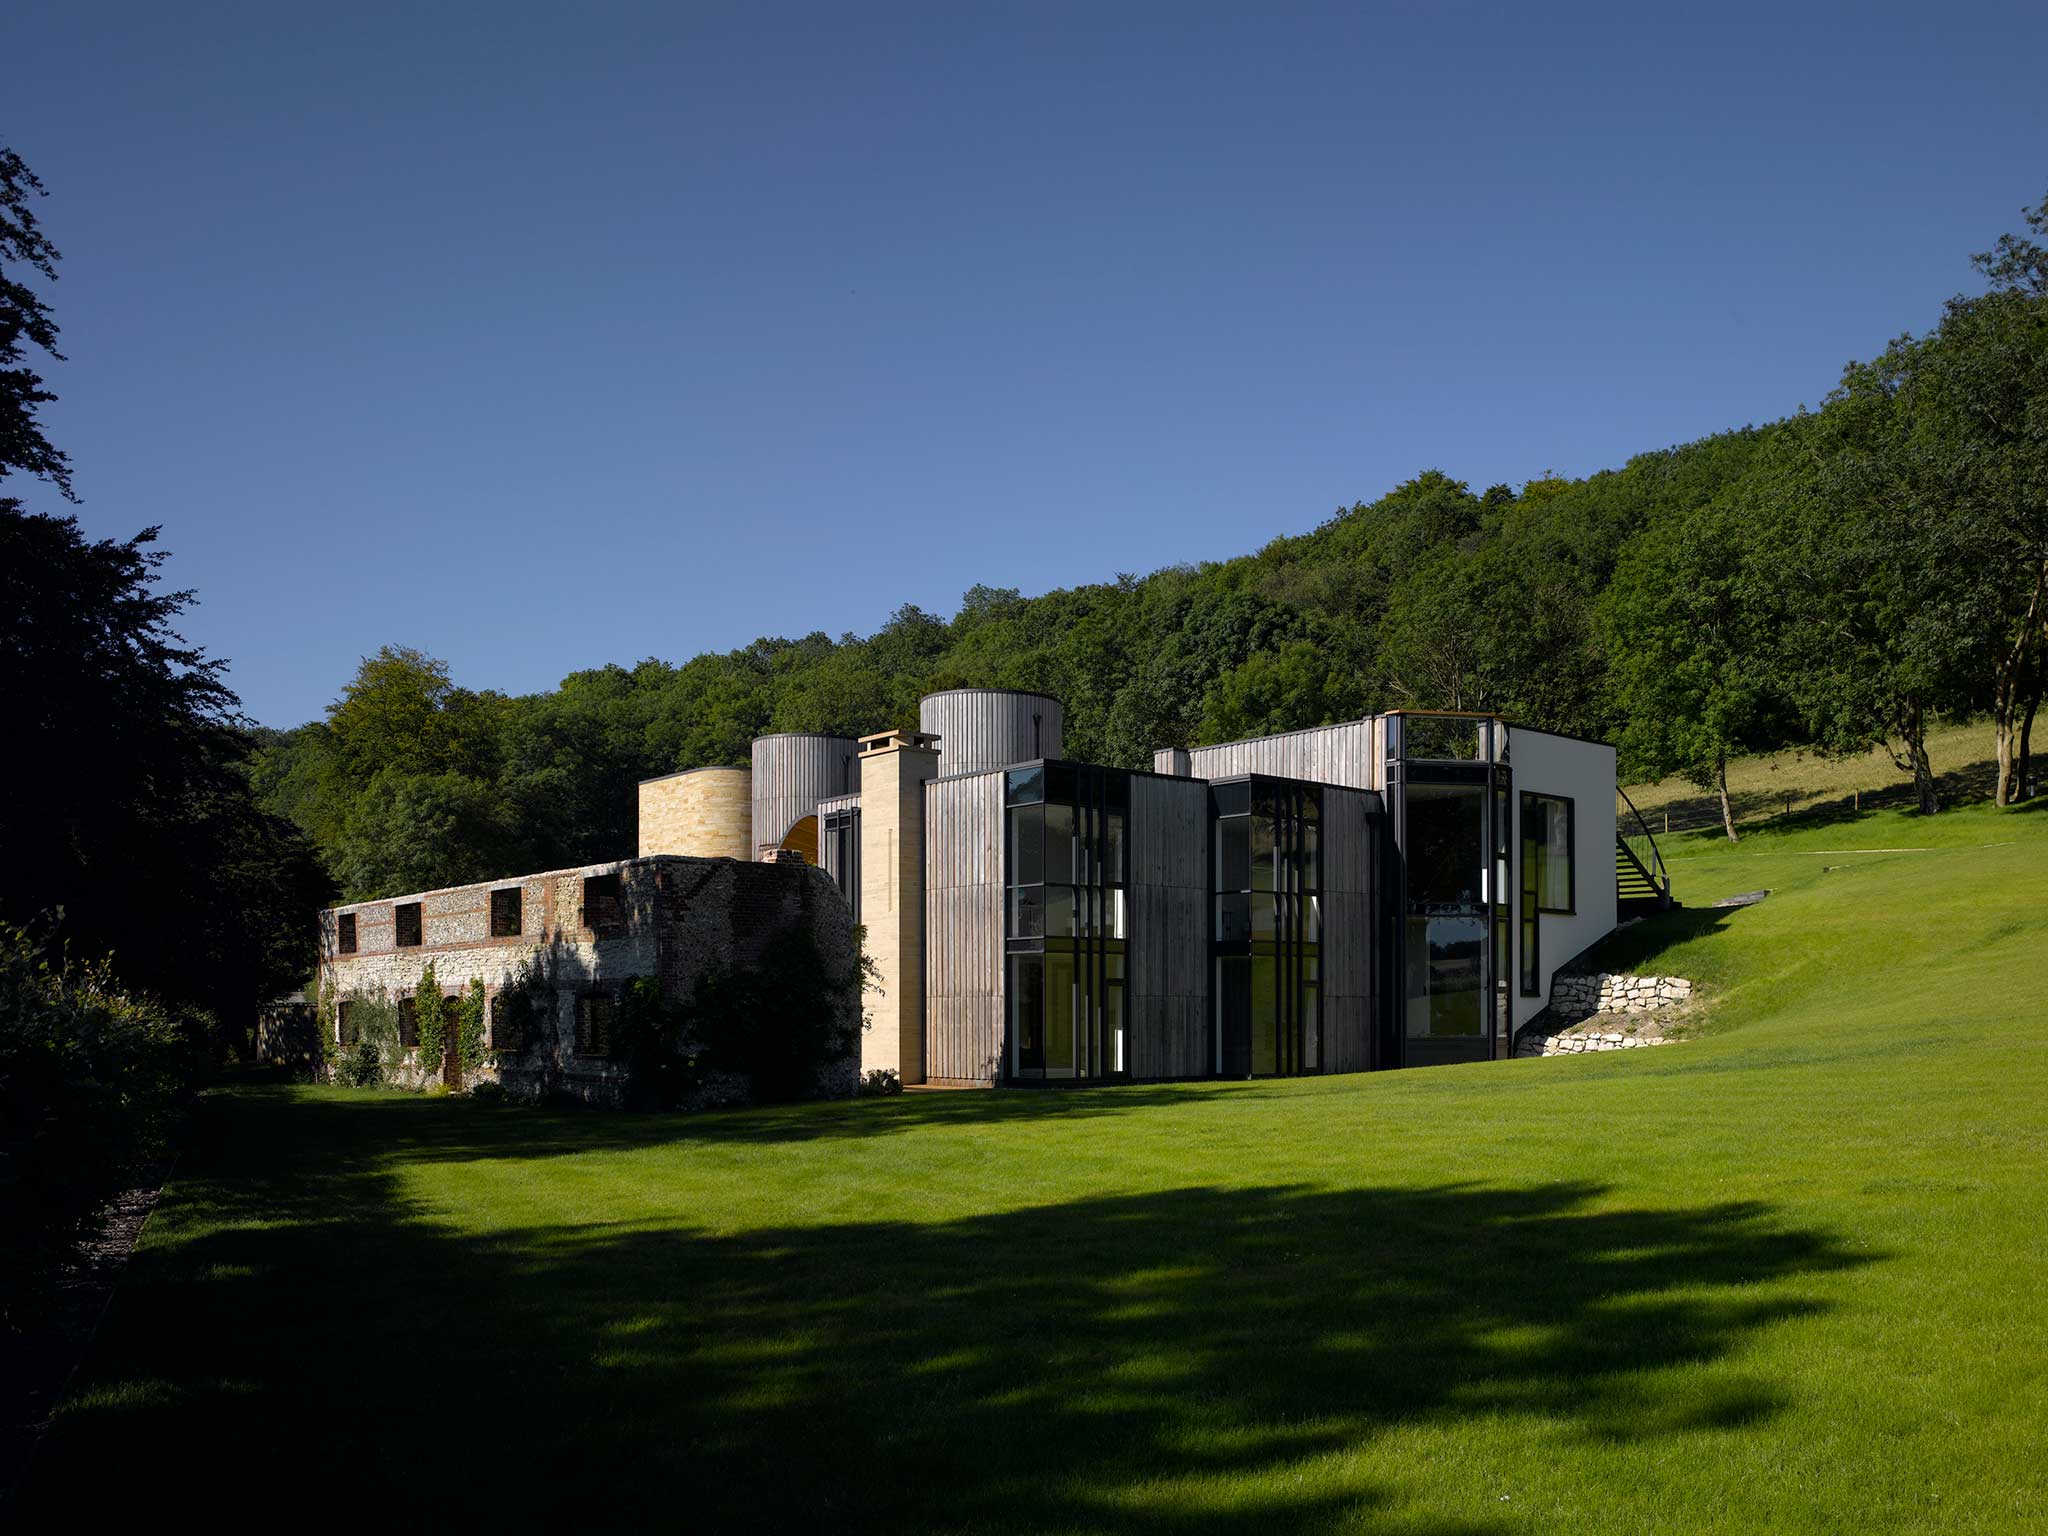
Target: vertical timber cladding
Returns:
[[1346, 754], [793, 772], [1167, 874], [984, 728], [963, 820], [1354, 827]]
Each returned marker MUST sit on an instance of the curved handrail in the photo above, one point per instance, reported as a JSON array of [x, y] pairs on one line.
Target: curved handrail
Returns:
[[1642, 846]]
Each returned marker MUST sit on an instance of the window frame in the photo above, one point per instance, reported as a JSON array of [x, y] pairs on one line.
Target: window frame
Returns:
[[1571, 853], [345, 939], [419, 925]]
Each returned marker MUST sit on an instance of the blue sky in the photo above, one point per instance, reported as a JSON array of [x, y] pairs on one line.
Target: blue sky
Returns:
[[540, 338]]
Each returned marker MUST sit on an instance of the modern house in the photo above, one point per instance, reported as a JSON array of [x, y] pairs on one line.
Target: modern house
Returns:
[[1386, 892]]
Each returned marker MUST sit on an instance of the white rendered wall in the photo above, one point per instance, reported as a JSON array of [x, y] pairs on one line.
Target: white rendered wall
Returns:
[[1583, 772]]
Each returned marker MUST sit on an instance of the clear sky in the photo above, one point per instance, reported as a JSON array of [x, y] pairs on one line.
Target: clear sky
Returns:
[[540, 337]]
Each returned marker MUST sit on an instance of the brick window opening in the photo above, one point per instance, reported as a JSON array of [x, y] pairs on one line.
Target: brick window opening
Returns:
[[594, 1025], [408, 1022], [604, 904], [506, 1036], [345, 1023], [508, 915], [345, 933], [407, 918]]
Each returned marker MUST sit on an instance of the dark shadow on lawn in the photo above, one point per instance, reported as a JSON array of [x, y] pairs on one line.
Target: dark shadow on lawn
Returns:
[[1163, 1361], [1626, 949], [415, 1126]]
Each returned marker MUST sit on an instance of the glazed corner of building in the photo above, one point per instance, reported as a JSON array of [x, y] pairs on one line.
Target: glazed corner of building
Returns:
[[1391, 891]]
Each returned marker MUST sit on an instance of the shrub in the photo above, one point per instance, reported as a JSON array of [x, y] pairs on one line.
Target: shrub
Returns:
[[90, 1077], [430, 1020], [881, 1080], [489, 1091]]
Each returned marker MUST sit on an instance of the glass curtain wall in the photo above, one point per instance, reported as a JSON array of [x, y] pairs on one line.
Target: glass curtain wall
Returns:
[[1064, 924], [1456, 852], [839, 848], [1266, 944]]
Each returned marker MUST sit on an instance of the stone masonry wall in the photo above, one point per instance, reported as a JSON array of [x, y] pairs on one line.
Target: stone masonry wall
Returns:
[[681, 918], [1627, 1007]]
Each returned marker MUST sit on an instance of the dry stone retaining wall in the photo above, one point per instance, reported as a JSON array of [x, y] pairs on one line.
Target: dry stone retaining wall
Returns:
[[1625, 1004]]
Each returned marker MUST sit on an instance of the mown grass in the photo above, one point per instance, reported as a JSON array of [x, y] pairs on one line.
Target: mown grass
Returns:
[[1787, 1277]]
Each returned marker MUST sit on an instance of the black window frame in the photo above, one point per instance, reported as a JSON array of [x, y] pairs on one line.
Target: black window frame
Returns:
[[399, 927], [1571, 852], [1094, 904], [1285, 881], [840, 831], [345, 933]]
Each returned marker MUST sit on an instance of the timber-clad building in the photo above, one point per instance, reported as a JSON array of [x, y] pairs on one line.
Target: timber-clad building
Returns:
[[1386, 892]]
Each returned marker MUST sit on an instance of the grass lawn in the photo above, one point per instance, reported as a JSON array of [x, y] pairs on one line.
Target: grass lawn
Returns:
[[1791, 1276], [1766, 786]]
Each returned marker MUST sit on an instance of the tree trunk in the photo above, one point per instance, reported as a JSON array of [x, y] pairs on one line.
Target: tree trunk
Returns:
[[2004, 740], [1721, 779], [2026, 753], [1914, 730], [2009, 689]]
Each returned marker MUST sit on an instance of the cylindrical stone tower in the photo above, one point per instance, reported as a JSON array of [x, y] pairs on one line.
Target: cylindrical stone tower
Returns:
[[980, 728], [705, 813], [793, 771]]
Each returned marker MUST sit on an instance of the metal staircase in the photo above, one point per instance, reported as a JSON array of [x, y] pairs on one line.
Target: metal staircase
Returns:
[[1641, 882]]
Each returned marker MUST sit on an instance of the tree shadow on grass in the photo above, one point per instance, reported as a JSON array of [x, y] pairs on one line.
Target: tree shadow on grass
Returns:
[[1195, 1359], [438, 1129], [1970, 784]]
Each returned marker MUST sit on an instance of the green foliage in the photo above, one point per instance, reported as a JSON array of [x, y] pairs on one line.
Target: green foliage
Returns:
[[130, 797], [430, 1021], [880, 1082], [376, 1055], [89, 1077], [525, 1002], [469, 1027]]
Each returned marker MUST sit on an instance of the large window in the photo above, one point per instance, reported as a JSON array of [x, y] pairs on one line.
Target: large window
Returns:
[[406, 925], [1065, 939], [345, 933], [1451, 864], [1266, 942], [839, 852], [1547, 833]]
